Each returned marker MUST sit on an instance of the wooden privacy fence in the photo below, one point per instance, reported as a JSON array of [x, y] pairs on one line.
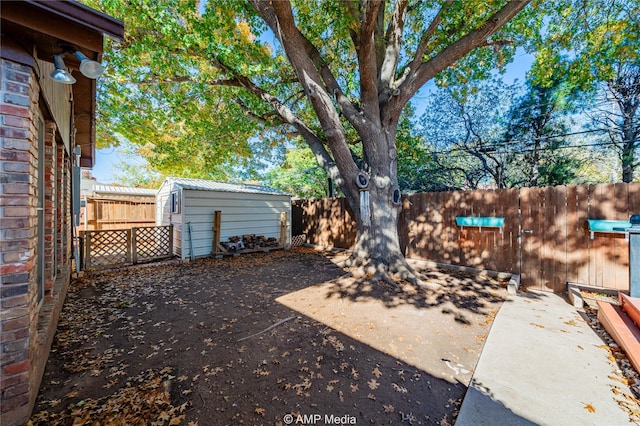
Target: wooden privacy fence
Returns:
[[545, 237], [118, 212], [126, 246]]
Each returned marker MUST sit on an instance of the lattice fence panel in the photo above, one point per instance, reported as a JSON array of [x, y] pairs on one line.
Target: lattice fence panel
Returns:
[[125, 246], [105, 248], [151, 242]]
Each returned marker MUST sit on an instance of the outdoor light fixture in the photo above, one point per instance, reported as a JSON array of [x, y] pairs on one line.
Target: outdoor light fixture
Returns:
[[60, 74], [88, 68]]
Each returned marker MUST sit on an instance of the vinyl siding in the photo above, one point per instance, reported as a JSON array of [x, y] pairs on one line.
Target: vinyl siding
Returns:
[[242, 213], [165, 217]]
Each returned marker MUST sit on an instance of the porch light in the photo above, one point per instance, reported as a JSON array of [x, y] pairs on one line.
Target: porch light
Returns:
[[89, 68], [60, 74]]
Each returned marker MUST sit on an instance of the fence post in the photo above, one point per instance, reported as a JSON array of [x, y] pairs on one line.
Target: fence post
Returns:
[[87, 248], [283, 228], [81, 257], [634, 256], [128, 233], [217, 218], [134, 245], [170, 240]]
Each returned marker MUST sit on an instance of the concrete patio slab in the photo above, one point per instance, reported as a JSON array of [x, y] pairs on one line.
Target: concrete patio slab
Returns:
[[543, 364]]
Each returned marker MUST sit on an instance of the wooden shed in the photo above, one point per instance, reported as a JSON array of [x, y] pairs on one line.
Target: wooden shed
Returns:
[[206, 213]]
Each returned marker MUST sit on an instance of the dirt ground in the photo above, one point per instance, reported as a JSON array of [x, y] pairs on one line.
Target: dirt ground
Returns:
[[268, 338]]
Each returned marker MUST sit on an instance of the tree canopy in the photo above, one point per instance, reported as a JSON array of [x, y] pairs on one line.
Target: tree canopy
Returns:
[[596, 43], [203, 86], [192, 75]]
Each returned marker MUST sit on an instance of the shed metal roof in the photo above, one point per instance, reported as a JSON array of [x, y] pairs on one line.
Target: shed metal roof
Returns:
[[210, 185], [123, 190]]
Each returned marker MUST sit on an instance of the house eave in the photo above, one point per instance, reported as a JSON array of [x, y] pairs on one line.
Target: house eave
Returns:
[[39, 27]]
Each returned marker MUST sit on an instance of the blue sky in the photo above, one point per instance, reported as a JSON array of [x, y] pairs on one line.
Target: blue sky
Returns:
[[107, 159], [105, 169]]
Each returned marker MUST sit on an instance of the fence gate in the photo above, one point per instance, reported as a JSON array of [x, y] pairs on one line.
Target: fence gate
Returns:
[[556, 245], [126, 246], [151, 242]]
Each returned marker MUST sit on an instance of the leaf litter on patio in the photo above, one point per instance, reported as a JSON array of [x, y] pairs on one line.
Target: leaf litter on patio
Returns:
[[208, 343]]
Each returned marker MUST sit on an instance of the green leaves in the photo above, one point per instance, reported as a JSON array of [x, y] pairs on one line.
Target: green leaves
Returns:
[[586, 39], [299, 175], [166, 88], [195, 84]]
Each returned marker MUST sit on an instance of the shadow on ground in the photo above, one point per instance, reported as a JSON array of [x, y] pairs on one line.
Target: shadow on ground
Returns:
[[461, 294], [192, 344]]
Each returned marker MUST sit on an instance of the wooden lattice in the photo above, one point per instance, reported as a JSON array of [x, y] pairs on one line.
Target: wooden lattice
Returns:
[[151, 243], [108, 247], [298, 240], [125, 246]]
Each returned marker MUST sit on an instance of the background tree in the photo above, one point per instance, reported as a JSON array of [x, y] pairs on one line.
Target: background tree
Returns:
[[536, 130], [466, 131], [594, 42], [617, 112], [133, 169], [343, 75], [418, 170], [299, 174]]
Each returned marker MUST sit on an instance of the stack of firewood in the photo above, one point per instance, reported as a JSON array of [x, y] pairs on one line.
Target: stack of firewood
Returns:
[[253, 241]]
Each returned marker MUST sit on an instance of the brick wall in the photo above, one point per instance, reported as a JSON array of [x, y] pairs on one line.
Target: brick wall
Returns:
[[27, 324], [18, 220]]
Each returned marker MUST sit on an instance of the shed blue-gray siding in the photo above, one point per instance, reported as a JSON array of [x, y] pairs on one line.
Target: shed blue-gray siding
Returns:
[[242, 213]]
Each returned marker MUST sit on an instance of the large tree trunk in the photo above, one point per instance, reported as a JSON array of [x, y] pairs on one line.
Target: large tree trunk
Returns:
[[377, 251], [370, 185]]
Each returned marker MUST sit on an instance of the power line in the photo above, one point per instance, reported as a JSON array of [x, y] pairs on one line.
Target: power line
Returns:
[[505, 144]]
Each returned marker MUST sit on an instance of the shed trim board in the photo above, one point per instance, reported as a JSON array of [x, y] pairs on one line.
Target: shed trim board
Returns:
[[246, 209]]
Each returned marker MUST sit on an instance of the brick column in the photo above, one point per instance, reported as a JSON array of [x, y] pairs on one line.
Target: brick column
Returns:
[[60, 211], [49, 206], [67, 216], [18, 220]]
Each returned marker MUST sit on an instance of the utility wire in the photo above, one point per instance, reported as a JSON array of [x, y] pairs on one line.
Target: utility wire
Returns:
[[505, 144]]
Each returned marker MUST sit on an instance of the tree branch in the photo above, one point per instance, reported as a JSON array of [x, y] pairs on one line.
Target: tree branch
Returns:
[[303, 57], [367, 62], [315, 143], [261, 119], [229, 82], [424, 41], [392, 48], [348, 109], [504, 42], [456, 50]]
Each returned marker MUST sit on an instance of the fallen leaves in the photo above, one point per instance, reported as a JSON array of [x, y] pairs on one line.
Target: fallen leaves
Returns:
[[376, 372], [145, 400], [625, 380], [373, 384], [399, 388], [185, 322]]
